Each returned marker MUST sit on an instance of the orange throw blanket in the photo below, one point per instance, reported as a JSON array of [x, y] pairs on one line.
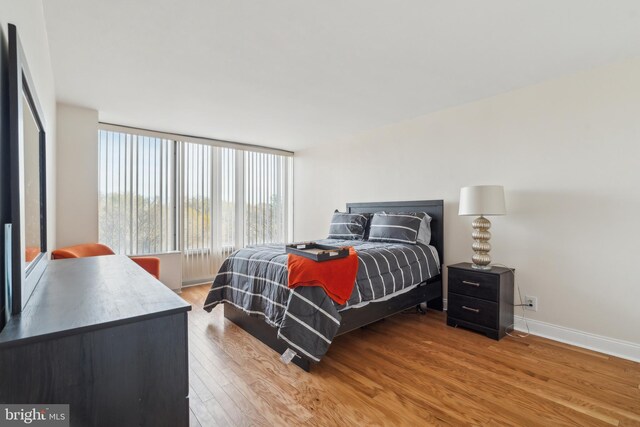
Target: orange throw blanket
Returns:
[[337, 277]]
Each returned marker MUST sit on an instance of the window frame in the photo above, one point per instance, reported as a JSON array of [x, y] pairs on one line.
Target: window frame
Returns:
[[176, 192]]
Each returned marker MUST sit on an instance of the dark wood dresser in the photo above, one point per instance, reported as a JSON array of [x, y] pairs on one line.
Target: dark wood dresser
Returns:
[[105, 337], [481, 300]]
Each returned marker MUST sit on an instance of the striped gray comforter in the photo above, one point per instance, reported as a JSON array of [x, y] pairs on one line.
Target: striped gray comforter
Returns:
[[254, 279]]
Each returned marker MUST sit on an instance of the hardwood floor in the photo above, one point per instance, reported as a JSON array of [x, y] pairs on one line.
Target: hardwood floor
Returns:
[[406, 370]]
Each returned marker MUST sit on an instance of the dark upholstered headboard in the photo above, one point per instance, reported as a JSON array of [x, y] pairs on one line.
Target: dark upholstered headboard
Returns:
[[435, 209]]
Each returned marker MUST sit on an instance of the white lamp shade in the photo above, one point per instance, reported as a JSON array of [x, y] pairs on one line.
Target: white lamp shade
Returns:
[[482, 200]]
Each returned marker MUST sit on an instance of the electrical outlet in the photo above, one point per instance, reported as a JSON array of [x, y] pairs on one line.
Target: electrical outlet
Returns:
[[531, 303]]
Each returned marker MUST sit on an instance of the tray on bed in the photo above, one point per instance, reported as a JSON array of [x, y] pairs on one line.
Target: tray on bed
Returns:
[[316, 251]]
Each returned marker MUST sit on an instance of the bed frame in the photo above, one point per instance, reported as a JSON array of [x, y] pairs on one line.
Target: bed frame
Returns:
[[429, 291]]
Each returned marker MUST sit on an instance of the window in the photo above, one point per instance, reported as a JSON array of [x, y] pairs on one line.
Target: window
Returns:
[[265, 195], [208, 209], [136, 180], [162, 194]]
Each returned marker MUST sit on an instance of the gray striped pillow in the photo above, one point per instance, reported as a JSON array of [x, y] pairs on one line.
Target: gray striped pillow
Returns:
[[395, 227], [424, 234], [347, 226]]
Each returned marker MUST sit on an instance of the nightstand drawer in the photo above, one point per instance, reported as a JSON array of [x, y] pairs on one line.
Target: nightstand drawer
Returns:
[[478, 285], [473, 310]]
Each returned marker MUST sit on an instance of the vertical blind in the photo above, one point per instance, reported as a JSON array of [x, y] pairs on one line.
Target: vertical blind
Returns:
[[265, 178], [208, 208], [136, 180], [159, 195]]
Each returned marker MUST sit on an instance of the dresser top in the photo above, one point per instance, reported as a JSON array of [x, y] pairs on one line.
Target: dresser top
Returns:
[[77, 295]]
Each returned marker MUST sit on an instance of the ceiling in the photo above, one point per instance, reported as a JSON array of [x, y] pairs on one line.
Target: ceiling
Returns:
[[297, 73]]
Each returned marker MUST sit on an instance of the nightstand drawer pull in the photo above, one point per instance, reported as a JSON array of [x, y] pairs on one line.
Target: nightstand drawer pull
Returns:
[[476, 284], [475, 310]]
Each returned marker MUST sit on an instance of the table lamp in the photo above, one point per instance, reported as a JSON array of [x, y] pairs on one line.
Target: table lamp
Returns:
[[481, 200]]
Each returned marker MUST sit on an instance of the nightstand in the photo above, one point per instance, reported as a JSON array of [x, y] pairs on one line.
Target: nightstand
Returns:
[[481, 300]]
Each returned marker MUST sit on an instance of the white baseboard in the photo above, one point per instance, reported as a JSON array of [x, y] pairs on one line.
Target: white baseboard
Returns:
[[612, 346]]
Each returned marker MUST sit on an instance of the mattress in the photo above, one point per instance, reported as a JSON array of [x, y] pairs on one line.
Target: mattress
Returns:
[[254, 279]]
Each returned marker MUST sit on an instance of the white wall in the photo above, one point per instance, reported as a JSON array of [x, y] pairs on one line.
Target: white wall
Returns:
[[567, 152], [77, 178], [28, 16]]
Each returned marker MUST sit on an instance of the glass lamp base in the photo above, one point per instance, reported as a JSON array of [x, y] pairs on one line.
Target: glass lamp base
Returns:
[[481, 267]]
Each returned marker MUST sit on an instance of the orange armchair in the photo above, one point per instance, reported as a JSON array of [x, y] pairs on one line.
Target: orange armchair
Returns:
[[149, 263]]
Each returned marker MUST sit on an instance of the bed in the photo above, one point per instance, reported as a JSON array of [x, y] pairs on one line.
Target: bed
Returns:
[[392, 277]]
